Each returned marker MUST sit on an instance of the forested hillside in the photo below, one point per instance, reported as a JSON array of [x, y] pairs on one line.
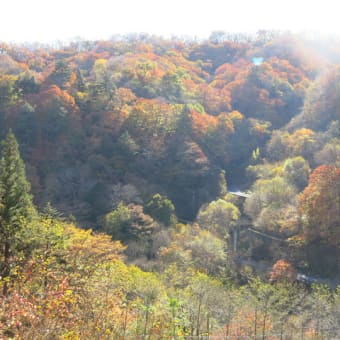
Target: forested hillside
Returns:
[[144, 140]]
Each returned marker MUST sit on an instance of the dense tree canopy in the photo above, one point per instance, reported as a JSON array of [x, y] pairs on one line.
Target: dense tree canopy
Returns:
[[137, 137]]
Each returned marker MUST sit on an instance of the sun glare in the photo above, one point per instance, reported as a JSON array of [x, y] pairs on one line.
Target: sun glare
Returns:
[[37, 20]]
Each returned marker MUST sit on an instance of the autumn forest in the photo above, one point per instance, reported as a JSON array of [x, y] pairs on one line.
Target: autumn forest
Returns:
[[156, 188]]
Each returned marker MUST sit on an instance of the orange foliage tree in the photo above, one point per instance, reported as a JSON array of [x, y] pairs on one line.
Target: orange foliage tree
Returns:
[[319, 205], [282, 271]]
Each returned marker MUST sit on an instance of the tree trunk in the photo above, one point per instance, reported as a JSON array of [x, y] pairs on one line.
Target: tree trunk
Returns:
[[264, 327], [255, 325], [227, 331], [6, 271], [198, 319], [146, 322], [125, 323], [208, 327]]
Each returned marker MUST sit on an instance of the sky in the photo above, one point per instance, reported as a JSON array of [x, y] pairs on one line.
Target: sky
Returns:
[[48, 21]]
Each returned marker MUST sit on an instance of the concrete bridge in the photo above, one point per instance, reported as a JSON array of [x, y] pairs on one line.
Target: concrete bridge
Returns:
[[239, 193]]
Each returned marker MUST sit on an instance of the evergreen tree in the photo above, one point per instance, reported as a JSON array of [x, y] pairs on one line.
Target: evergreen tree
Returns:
[[161, 209], [16, 207], [222, 185]]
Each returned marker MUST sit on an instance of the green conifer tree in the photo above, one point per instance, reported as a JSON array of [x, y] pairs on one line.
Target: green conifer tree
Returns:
[[161, 209], [222, 185], [16, 207]]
